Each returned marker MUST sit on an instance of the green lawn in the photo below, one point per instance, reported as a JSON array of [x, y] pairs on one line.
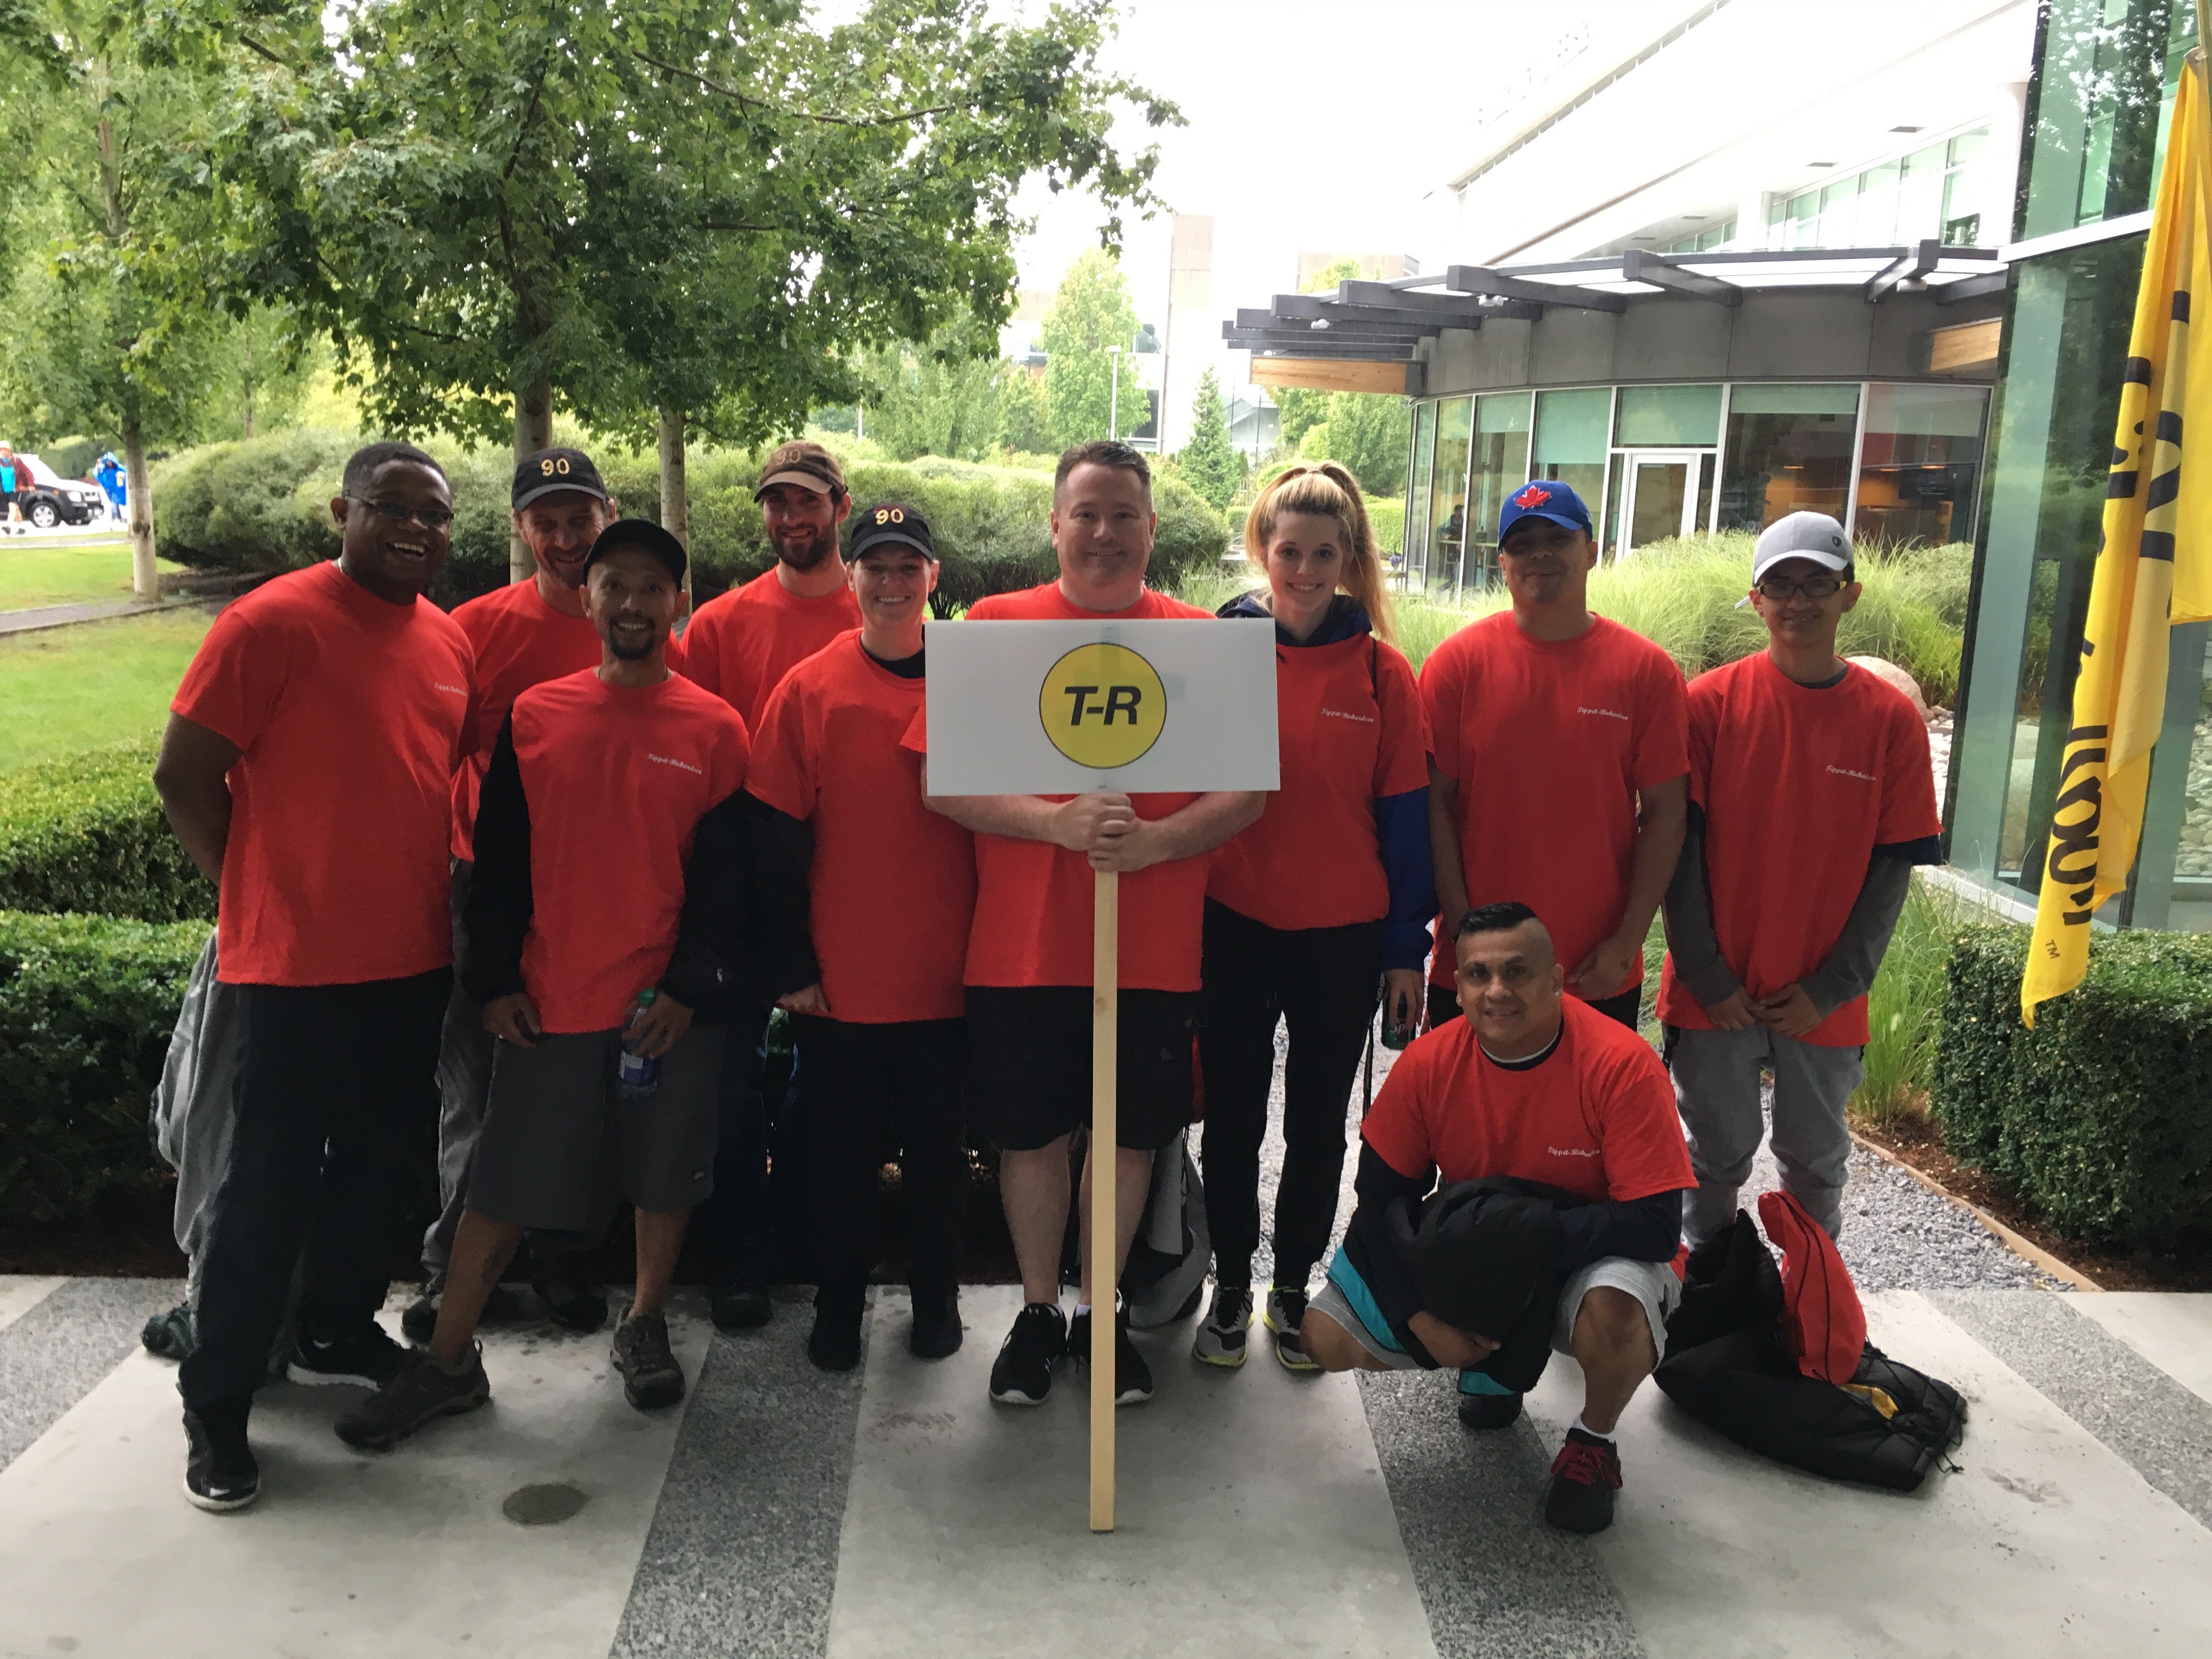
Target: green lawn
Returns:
[[68, 690], [50, 574]]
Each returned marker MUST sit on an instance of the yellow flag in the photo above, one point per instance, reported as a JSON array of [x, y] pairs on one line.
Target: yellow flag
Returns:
[[2153, 570]]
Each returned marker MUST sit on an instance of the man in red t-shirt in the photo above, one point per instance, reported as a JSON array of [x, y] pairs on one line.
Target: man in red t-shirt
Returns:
[[307, 769], [835, 799], [523, 634], [1812, 800], [741, 646], [607, 913], [1028, 955], [1536, 1088], [1556, 761]]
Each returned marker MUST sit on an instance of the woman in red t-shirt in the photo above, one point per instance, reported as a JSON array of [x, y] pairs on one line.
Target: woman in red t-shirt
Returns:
[[1328, 893]]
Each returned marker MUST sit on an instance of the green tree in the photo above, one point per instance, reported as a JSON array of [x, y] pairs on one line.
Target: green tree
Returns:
[[1090, 313], [1208, 461], [1324, 280], [1370, 432], [668, 212], [1024, 415], [1303, 408], [936, 400], [105, 111]]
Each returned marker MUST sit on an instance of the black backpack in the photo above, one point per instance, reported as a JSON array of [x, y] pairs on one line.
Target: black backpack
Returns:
[[1727, 1366]]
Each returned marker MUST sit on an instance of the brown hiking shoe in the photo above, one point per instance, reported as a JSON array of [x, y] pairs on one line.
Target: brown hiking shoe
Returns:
[[651, 1376]]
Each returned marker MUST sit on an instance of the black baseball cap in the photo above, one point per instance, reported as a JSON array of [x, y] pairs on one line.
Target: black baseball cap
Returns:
[[542, 471], [639, 533], [892, 522]]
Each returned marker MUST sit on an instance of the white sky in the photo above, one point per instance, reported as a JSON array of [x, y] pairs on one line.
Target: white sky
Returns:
[[1313, 125]]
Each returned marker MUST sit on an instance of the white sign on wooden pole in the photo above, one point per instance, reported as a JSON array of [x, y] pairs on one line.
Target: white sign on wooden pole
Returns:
[[1135, 708]]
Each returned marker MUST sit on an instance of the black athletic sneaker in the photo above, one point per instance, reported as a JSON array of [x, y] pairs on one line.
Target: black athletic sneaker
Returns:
[[1021, 1374], [171, 1335], [1223, 1336], [220, 1473], [936, 1333], [558, 1279], [651, 1376], [1584, 1477], [738, 1304], [834, 1344], [1284, 1315], [1484, 1412], [421, 1391], [367, 1359], [1132, 1378]]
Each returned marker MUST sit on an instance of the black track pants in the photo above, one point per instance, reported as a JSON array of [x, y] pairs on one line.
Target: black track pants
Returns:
[[1324, 982]]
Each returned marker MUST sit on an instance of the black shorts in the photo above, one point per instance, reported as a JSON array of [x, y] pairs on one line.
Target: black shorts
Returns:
[[1029, 1048], [1444, 1005]]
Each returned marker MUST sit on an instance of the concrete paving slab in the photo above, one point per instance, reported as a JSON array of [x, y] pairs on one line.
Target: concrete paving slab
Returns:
[[346, 1554], [2171, 1329], [21, 1292], [1252, 1513], [2152, 1423], [2044, 1542], [57, 1350]]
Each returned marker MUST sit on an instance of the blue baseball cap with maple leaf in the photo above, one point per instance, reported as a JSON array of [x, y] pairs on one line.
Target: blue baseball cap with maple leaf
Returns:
[[1544, 498]]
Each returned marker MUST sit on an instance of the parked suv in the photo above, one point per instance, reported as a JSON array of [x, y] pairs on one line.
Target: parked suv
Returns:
[[48, 501]]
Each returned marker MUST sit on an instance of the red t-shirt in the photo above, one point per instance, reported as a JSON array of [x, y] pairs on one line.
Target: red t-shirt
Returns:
[[349, 712], [617, 778], [519, 641], [1349, 720], [1798, 786], [1549, 741], [1595, 1118], [1033, 900], [742, 642], [830, 753]]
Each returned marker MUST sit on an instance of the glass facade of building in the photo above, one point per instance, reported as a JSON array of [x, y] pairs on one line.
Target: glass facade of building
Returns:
[[2102, 88], [1928, 192], [1900, 460]]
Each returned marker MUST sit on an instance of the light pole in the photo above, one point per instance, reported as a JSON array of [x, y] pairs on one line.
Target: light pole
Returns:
[[1114, 396]]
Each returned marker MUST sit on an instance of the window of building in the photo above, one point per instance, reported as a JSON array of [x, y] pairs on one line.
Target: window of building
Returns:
[[1667, 416], [1936, 190], [1501, 465], [1570, 441], [1448, 491], [2098, 106], [1704, 241], [1416, 496], [1920, 465], [1789, 450]]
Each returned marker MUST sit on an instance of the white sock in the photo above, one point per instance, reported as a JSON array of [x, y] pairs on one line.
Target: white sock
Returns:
[[1586, 1429], [1081, 1309]]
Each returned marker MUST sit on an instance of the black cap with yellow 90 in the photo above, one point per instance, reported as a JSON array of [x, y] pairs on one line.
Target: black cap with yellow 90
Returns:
[[889, 523]]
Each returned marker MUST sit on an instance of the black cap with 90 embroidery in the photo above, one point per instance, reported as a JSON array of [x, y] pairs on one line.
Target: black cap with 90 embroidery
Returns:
[[890, 522], [544, 471]]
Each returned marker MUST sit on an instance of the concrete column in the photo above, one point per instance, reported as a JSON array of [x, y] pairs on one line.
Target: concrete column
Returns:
[[1750, 222]]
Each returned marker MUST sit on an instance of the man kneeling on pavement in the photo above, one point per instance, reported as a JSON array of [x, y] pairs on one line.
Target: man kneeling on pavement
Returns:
[[1559, 1214], [606, 912]]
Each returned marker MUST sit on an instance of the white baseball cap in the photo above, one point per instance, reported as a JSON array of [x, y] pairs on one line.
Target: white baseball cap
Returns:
[[1814, 536]]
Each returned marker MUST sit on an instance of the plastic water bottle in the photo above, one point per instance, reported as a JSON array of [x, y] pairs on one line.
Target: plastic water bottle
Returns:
[[638, 1075]]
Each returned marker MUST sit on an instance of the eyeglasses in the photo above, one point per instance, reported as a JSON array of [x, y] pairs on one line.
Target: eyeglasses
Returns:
[[430, 518], [1813, 587]]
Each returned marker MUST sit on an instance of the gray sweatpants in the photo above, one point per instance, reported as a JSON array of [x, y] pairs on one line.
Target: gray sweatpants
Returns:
[[192, 1108], [1716, 1089]]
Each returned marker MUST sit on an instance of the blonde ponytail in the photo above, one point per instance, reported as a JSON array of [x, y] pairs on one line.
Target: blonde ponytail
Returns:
[[1327, 489]]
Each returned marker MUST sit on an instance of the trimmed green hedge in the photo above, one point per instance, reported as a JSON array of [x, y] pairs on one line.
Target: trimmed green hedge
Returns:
[[2100, 1118], [86, 1005], [87, 834], [263, 504]]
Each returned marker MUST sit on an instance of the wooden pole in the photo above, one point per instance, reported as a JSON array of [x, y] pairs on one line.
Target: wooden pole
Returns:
[[1105, 1149]]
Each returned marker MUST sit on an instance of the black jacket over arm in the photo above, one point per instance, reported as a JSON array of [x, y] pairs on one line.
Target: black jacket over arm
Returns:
[[711, 960]]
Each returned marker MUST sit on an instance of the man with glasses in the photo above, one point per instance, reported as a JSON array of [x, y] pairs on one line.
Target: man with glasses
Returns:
[[523, 634], [1812, 800], [307, 769], [1556, 762]]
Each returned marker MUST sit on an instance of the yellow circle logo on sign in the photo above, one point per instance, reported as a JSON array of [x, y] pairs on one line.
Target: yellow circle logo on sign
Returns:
[[1102, 706]]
